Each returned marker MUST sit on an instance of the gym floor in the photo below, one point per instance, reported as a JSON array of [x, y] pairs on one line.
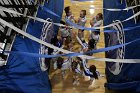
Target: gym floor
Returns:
[[60, 85]]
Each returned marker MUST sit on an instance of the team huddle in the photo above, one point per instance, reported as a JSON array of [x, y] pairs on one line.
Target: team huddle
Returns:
[[78, 66]]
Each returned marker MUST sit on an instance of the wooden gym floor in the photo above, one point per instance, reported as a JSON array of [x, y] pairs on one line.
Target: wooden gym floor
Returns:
[[60, 85]]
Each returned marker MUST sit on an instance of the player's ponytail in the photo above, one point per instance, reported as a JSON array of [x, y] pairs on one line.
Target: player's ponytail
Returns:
[[93, 70], [60, 61]]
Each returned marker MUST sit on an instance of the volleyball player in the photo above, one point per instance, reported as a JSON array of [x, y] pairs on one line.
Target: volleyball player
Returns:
[[96, 22], [64, 33], [62, 64], [82, 21], [88, 71]]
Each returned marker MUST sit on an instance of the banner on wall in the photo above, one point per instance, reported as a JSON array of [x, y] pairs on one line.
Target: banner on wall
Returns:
[[23, 74], [122, 76]]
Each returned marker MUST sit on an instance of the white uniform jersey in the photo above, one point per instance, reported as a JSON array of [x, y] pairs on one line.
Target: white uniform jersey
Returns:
[[95, 37], [84, 45], [67, 64], [98, 23], [86, 69], [78, 70], [82, 22], [92, 35], [64, 32], [55, 52], [70, 18]]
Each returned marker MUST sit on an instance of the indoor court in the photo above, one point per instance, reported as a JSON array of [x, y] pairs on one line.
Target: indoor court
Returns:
[[69, 46]]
